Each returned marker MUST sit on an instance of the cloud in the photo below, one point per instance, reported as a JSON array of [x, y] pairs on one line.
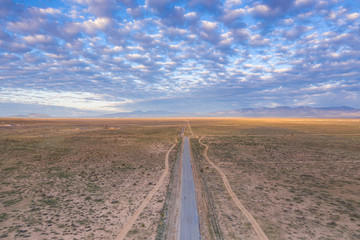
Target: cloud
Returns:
[[158, 6], [232, 3], [271, 8], [232, 15], [100, 8], [136, 57], [173, 32], [6, 58], [262, 10], [38, 38], [175, 17], [258, 40], [208, 5], [209, 26], [352, 16], [210, 31], [284, 5], [162, 49], [241, 34], [296, 32], [78, 100], [44, 11], [305, 3], [27, 25], [73, 30], [191, 16], [135, 12], [91, 26]]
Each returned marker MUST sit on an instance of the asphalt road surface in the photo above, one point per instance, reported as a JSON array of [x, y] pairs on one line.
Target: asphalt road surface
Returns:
[[189, 218]]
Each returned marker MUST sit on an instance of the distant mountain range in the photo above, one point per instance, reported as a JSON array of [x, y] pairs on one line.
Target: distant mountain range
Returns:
[[321, 112], [143, 114], [307, 112], [32, 115], [301, 112]]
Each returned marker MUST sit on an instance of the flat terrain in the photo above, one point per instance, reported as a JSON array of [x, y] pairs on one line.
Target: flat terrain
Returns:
[[299, 178], [82, 179]]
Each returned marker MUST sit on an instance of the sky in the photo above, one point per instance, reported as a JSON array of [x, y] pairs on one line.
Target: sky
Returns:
[[78, 58]]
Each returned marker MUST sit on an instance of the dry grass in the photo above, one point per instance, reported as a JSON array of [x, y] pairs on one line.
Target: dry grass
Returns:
[[81, 178], [300, 178]]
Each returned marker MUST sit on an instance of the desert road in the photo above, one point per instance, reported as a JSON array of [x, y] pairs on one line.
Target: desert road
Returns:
[[189, 219]]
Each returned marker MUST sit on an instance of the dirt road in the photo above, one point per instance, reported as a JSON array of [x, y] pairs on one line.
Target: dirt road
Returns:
[[261, 235], [133, 218], [189, 219], [192, 134]]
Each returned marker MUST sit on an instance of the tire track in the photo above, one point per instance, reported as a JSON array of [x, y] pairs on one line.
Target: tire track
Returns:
[[137, 213], [192, 134], [261, 235]]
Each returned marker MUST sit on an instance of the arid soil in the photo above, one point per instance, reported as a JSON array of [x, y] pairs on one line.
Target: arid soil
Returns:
[[256, 227], [160, 183], [299, 178], [82, 179]]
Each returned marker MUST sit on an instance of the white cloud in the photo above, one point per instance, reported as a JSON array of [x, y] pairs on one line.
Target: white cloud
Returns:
[[92, 26], [38, 39], [136, 57], [353, 16], [50, 11], [27, 25], [258, 40], [79, 100], [232, 3], [241, 34], [231, 15], [97, 42], [226, 39], [135, 48], [209, 26], [191, 15], [260, 9], [115, 49], [282, 70], [288, 21], [303, 3]]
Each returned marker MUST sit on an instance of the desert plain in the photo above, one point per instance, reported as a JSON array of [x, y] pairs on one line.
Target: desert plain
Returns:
[[84, 178]]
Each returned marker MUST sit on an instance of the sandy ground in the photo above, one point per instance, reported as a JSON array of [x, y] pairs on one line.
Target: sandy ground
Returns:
[[160, 183], [299, 179], [169, 224], [81, 179], [259, 232]]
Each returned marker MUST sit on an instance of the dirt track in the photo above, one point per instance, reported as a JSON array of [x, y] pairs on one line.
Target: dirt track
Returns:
[[261, 235], [192, 134], [134, 217]]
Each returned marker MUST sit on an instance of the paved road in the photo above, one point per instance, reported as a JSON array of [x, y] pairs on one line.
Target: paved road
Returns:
[[189, 219]]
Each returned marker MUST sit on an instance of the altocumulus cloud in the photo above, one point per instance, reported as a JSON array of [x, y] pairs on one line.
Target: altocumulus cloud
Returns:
[[193, 56], [77, 100]]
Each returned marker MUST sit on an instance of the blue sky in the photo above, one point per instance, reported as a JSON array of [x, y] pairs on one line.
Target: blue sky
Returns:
[[80, 58]]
